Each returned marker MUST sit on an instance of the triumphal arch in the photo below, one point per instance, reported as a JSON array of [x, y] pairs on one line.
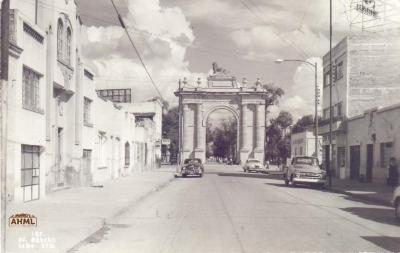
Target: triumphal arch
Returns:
[[222, 91]]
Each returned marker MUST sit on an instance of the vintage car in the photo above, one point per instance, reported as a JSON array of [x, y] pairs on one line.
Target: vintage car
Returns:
[[304, 170], [396, 202], [191, 167], [254, 165]]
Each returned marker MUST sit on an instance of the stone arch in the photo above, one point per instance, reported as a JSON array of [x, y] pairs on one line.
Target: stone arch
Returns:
[[214, 108]]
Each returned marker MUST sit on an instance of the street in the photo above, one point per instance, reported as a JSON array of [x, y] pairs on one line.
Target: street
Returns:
[[229, 211]]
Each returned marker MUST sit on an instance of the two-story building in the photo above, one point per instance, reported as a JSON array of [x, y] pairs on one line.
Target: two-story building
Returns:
[[365, 75]]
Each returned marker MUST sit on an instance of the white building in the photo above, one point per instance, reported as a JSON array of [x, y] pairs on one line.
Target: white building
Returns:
[[372, 139], [365, 75], [60, 133], [303, 144]]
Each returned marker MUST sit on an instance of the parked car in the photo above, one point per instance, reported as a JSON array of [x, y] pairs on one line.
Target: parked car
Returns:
[[304, 170], [254, 165], [396, 202], [192, 167]]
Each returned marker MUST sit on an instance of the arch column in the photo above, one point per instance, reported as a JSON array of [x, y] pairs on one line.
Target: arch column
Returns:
[[245, 134], [200, 133], [260, 132], [187, 141]]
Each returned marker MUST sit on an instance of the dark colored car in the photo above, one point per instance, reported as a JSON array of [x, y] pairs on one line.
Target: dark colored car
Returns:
[[192, 167]]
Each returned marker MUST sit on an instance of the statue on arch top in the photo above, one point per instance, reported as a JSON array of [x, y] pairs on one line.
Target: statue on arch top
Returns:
[[218, 70]]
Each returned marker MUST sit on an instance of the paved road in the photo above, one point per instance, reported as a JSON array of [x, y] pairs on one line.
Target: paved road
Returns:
[[226, 211]]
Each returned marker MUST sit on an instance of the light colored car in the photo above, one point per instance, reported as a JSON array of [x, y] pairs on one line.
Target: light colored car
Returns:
[[396, 202], [304, 170], [254, 165]]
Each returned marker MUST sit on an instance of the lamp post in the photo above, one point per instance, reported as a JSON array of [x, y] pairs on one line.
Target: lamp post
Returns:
[[279, 61]]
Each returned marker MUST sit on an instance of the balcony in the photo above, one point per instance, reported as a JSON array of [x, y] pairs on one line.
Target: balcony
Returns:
[[338, 125]]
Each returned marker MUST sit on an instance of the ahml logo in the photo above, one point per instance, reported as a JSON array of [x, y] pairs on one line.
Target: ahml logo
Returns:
[[22, 220]]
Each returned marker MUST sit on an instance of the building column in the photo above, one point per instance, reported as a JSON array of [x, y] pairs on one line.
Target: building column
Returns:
[[200, 137], [260, 132], [187, 141], [245, 134]]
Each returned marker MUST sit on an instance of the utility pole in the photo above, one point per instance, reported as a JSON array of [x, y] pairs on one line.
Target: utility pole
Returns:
[[180, 124], [316, 111], [5, 44], [330, 95]]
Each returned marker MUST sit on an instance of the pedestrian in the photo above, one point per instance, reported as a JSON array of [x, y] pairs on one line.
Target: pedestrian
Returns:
[[393, 179]]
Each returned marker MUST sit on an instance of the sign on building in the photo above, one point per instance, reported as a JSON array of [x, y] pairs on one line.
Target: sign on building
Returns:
[[166, 141]]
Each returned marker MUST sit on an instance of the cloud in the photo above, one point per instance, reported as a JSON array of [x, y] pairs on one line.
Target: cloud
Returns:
[[162, 35], [267, 42]]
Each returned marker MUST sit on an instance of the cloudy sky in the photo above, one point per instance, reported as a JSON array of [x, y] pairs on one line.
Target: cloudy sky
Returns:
[[181, 38]]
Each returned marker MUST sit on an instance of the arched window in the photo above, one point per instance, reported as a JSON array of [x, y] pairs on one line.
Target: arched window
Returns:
[[60, 28], [127, 154], [68, 45]]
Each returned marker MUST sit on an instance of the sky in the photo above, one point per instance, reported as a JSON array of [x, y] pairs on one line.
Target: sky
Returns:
[[181, 38]]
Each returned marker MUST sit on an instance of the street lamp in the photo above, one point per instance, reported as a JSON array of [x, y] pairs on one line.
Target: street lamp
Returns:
[[279, 61]]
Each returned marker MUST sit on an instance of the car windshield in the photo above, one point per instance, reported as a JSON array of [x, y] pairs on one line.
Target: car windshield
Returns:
[[253, 161], [192, 160], [305, 160]]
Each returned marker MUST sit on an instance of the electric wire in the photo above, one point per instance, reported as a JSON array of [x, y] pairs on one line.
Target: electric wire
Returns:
[[136, 50]]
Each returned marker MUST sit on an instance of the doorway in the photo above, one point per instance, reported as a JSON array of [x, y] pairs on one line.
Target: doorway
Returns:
[[370, 162], [354, 162]]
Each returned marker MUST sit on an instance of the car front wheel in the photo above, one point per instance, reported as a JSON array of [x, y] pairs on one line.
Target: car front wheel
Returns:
[[397, 209]]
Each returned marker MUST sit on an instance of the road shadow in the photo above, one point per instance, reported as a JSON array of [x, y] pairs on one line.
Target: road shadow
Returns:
[[250, 175], [381, 215], [299, 186], [391, 244], [366, 200]]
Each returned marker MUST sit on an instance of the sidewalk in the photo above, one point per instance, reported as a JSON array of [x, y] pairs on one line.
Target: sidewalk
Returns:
[[66, 217], [376, 193]]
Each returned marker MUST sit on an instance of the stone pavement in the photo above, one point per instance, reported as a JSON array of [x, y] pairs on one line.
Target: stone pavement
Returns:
[[377, 193], [66, 217]]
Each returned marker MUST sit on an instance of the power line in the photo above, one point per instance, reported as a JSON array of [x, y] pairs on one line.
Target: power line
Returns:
[[136, 50], [299, 51]]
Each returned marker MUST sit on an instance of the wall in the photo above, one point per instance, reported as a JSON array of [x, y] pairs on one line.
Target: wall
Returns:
[[33, 56], [306, 142], [373, 72], [375, 126]]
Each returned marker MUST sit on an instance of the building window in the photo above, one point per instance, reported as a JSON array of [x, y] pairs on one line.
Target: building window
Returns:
[[116, 95], [30, 172], [60, 29], [386, 153], [68, 46], [326, 79], [30, 90], [326, 113], [86, 111], [339, 109], [127, 154], [339, 71], [102, 150]]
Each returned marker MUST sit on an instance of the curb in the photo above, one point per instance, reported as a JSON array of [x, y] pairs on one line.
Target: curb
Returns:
[[362, 197]]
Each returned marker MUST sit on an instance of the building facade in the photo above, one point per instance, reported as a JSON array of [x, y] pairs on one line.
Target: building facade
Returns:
[[365, 75], [303, 144], [59, 132], [372, 139]]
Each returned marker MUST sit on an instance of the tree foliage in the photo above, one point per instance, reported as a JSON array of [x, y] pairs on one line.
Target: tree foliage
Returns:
[[170, 127], [222, 139], [303, 124], [278, 141]]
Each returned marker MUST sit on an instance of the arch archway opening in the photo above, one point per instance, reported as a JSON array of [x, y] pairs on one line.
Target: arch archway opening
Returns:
[[222, 145]]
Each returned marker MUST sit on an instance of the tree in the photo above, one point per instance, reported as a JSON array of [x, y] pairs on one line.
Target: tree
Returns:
[[303, 124], [278, 142], [223, 139], [170, 127]]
